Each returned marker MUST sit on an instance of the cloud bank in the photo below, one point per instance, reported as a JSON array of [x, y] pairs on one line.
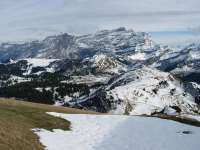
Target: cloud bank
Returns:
[[35, 19]]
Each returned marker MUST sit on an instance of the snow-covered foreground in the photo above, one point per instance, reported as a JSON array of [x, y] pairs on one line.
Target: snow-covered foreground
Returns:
[[106, 132]]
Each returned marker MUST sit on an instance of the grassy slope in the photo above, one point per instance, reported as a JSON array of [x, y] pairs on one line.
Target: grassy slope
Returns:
[[17, 118], [184, 120]]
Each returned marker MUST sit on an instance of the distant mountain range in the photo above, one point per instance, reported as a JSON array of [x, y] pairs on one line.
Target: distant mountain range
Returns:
[[118, 71]]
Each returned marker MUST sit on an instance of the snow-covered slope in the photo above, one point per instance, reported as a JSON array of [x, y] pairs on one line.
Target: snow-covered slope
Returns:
[[149, 91], [108, 64], [183, 61], [35, 62], [104, 132]]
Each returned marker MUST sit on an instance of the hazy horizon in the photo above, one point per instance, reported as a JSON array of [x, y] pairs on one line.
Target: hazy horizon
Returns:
[[168, 21]]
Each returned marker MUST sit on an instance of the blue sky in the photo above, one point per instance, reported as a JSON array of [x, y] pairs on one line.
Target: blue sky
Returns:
[[169, 21], [175, 38]]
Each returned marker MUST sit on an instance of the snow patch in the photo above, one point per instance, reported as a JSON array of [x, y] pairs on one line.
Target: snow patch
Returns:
[[36, 62], [67, 98], [106, 132], [138, 56]]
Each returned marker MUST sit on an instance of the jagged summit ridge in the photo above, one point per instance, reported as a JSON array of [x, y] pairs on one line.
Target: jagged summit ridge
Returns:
[[118, 41]]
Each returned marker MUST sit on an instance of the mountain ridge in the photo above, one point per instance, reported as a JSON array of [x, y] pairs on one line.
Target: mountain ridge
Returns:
[[89, 72]]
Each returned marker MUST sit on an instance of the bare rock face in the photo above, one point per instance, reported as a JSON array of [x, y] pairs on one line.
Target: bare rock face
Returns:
[[62, 46]]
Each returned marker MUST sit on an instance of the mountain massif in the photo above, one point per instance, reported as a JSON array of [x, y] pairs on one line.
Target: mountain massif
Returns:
[[117, 71]]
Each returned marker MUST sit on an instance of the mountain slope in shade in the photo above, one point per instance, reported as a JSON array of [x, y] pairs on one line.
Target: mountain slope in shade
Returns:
[[183, 63]]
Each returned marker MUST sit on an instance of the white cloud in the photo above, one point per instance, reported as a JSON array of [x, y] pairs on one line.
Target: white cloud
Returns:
[[29, 19]]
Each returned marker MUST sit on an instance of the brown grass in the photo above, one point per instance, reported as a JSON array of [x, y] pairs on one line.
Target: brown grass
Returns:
[[17, 118], [184, 120]]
